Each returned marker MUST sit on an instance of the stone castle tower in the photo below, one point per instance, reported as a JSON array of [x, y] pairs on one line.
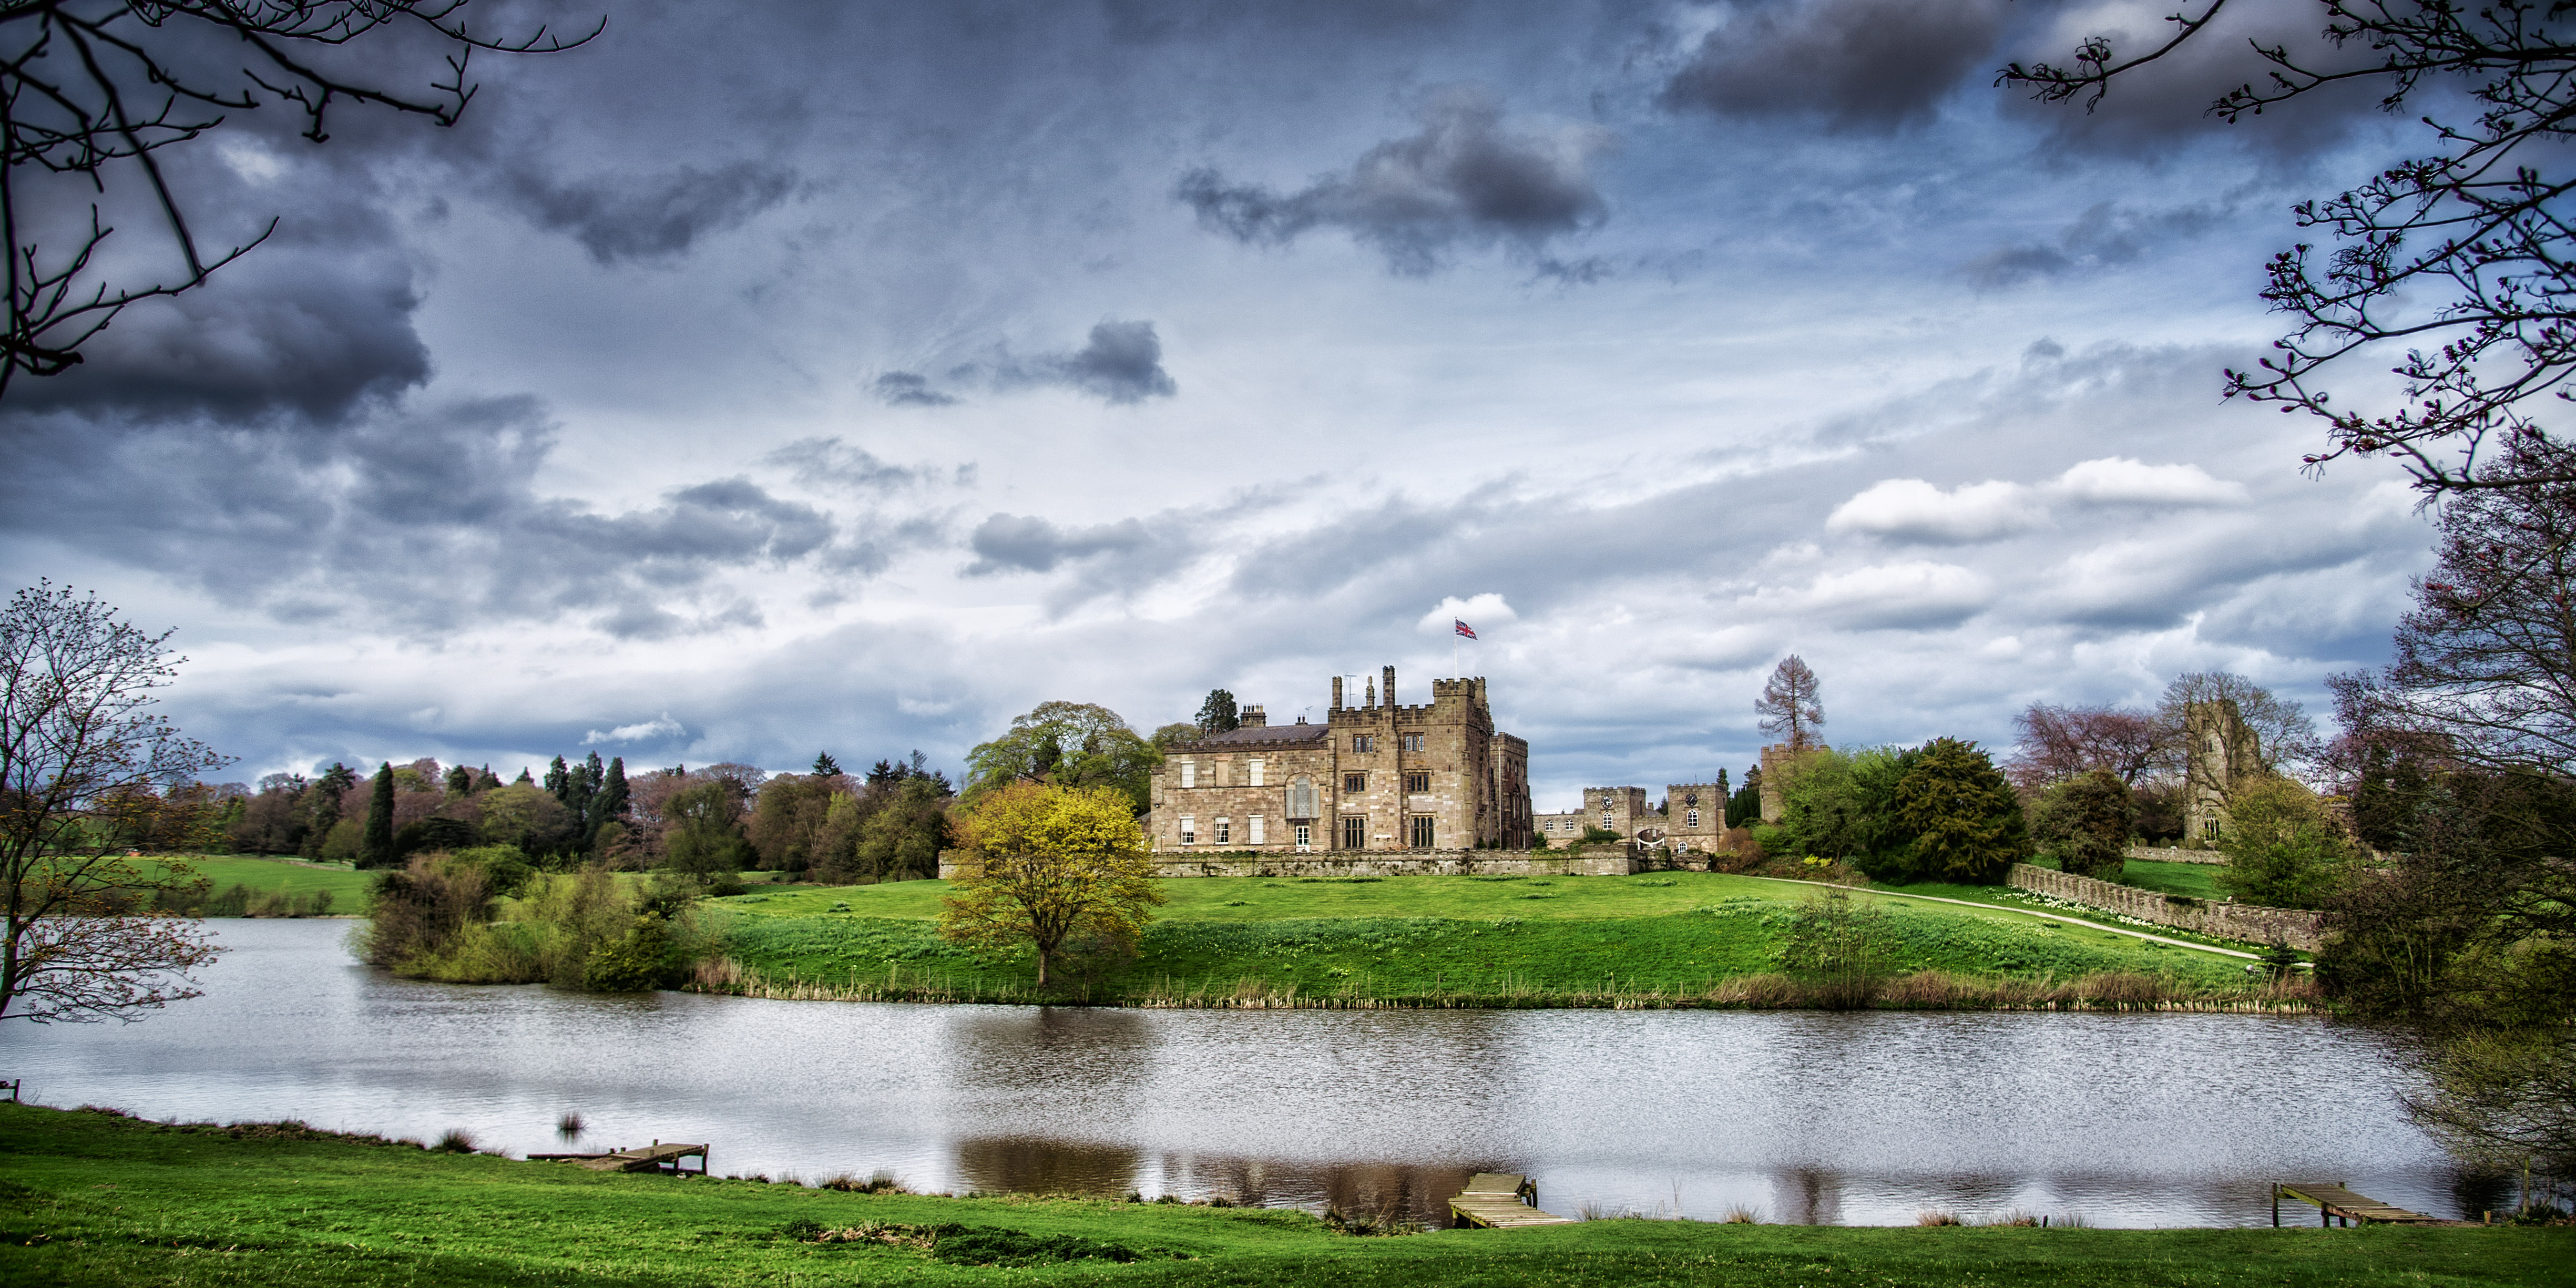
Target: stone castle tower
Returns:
[[2220, 752]]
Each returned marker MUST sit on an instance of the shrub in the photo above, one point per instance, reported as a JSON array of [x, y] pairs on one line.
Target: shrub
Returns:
[[1840, 945], [1967, 824], [2283, 849], [2085, 822]]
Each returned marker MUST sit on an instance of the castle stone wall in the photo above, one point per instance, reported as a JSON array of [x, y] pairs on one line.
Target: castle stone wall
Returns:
[[2176, 854], [2238, 921]]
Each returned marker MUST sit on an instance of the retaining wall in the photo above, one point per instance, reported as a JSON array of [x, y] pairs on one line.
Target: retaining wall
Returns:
[[2240, 921], [2175, 854], [1415, 863]]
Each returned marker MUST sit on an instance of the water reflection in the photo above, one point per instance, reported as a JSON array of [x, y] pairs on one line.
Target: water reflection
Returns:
[[1858, 1118]]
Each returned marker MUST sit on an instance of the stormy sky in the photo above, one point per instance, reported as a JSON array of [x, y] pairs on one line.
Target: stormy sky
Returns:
[[766, 378]]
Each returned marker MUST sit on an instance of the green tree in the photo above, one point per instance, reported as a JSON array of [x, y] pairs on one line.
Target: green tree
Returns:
[[704, 840], [1043, 863], [2085, 822], [614, 801], [1218, 714], [460, 781], [378, 843], [1176, 734], [558, 782], [1068, 744], [2283, 848], [825, 766], [1966, 823], [321, 804], [528, 817], [902, 839]]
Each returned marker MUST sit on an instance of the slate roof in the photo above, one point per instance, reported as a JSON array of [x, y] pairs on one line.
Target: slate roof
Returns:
[[1266, 735]]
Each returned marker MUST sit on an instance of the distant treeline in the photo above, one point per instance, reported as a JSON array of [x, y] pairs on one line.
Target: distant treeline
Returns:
[[827, 825]]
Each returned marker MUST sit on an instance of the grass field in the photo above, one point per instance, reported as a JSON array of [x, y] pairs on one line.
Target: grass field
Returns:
[[1419, 940], [91, 1199], [347, 886]]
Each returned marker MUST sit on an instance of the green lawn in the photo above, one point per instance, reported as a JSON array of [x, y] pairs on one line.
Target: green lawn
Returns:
[[349, 888], [89, 1199], [2197, 880], [1422, 940]]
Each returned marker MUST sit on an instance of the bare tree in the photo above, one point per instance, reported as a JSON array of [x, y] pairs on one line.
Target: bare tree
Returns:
[[2058, 743], [2286, 738], [94, 89], [2485, 666], [2463, 258], [86, 772], [1788, 705]]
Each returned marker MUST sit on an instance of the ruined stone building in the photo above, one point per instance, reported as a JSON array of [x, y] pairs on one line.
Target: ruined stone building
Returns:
[[2222, 752], [1376, 776], [1694, 814]]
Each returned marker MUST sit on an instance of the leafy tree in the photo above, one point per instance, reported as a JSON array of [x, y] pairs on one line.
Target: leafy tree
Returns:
[[2460, 256], [323, 803], [127, 82], [614, 800], [1744, 808], [1043, 863], [1841, 805], [705, 837], [1217, 714], [87, 771], [902, 838], [1789, 706], [1966, 823], [271, 822], [379, 841], [528, 817], [2085, 822], [2283, 849], [788, 823], [825, 766], [1068, 744]]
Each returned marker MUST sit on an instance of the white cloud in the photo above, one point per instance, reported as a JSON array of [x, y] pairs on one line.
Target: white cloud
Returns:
[[2119, 480], [654, 730], [1911, 593], [1916, 510], [1480, 612]]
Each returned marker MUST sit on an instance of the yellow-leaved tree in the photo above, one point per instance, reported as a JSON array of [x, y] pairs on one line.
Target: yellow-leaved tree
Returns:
[[1041, 863]]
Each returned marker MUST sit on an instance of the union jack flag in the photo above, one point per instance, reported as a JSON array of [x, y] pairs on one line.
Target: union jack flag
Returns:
[[1465, 629]]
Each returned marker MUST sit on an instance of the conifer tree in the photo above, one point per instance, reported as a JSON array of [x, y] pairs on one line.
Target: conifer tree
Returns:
[[1218, 713], [460, 781], [612, 802], [380, 818], [825, 766], [523, 780], [558, 780]]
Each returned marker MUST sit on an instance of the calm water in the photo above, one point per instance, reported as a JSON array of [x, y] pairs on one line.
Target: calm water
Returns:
[[1856, 1119]]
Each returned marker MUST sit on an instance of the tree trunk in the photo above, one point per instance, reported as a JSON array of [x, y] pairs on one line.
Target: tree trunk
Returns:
[[1042, 964]]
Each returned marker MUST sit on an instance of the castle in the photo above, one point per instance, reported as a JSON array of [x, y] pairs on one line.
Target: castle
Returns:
[[1693, 817], [1377, 776]]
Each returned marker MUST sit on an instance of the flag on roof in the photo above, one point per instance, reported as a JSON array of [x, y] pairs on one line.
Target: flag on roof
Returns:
[[1465, 629]]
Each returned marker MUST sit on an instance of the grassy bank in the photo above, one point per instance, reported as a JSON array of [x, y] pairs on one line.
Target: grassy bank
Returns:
[[1650, 940], [252, 885], [91, 1199]]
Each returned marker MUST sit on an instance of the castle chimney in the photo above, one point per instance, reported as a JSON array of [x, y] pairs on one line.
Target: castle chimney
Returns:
[[1390, 686], [1337, 693], [1372, 693], [1253, 719]]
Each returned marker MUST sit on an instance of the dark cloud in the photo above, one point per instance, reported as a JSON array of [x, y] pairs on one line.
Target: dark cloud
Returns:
[[1122, 363], [2103, 235], [427, 522], [1867, 64], [644, 217], [910, 389], [1016, 543], [1461, 180]]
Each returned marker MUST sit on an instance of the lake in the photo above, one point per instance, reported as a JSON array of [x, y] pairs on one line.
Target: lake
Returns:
[[1861, 1118]]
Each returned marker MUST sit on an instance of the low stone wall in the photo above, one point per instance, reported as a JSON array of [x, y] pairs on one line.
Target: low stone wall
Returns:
[[2240, 921], [2175, 854], [1401, 863]]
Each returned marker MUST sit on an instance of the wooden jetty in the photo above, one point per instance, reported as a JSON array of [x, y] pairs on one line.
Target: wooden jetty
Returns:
[[656, 1157], [1501, 1201], [2334, 1202]]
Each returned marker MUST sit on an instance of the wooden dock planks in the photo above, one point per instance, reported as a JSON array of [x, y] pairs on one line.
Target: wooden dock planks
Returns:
[[2333, 1201], [1501, 1201], [656, 1157]]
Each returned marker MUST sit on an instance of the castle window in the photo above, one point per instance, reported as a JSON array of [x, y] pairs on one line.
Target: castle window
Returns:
[[1355, 782], [1189, 773], [1305, 836], [1252, 831], [1189, 830], [1691, 819], [1417, 781], [1408, 742], [1422, 831], [1354, 832], [1301, 798], [1363, 742], [1224, 831], [1252, 771]]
